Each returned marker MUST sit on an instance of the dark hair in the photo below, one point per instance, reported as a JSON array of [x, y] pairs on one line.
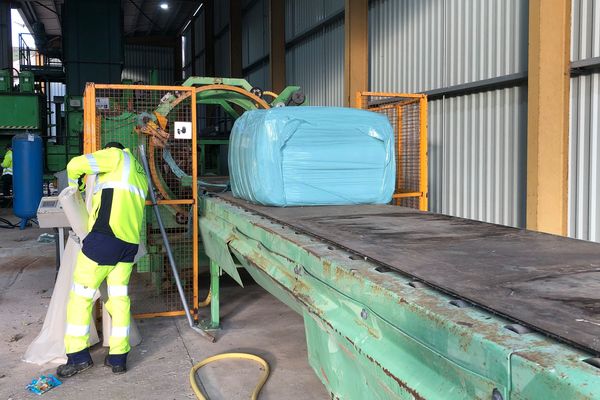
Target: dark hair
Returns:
[[114, 144], [8, 145]]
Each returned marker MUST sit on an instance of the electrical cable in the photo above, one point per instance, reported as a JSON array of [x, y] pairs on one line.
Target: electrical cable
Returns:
[[6, 224], [223, 356]]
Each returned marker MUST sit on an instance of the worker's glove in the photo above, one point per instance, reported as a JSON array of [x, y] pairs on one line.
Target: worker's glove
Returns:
[[81, 184]]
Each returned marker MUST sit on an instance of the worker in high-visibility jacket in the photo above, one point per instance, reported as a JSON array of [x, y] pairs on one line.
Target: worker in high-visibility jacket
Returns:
[[107, 252], [7, 171]]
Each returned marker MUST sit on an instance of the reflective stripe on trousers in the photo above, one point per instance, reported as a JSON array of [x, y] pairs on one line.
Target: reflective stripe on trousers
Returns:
[[87, 278]]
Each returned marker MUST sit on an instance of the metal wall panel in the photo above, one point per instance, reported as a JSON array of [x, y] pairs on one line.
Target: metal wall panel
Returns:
[[221, 17], [200, 65], [317, 65], [221, 37], [406, 42], [303, 15], [477, 142], [222, 64], [477, 156], [255, 33], [585, 33], [423, 45], [584, 143], [584, 153], [259, 77], [140, 59], [199, 31]]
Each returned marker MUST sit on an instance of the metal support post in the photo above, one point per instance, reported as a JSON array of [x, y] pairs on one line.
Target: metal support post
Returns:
[[214, 290]]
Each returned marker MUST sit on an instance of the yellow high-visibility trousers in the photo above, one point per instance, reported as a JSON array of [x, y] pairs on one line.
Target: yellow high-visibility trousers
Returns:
[[87, 277]]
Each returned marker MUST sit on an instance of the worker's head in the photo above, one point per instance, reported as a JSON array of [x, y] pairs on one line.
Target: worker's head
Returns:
[[116, 145], [8, 146]]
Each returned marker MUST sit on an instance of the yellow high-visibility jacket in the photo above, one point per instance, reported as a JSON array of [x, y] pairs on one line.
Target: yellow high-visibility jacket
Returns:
[[119, 193], [7, 165]]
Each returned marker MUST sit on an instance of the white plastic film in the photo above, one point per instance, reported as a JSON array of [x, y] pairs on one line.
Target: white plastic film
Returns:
[[75, 210]]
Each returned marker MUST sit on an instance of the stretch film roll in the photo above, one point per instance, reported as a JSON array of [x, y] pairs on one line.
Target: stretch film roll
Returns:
[[74, 207]]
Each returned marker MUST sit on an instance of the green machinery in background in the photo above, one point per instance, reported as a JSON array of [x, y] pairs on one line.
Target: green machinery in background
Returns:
[[21, 108], [67, 143], [24, 109]]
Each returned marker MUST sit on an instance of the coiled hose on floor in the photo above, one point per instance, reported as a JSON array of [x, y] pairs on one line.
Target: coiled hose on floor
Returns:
[[238, 356]]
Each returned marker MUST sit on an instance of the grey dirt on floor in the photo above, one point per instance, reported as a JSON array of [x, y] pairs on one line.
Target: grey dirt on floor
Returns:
[[253, 321]]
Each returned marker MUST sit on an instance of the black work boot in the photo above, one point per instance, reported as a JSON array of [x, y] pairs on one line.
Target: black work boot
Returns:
[[118, 362], [76, 363]]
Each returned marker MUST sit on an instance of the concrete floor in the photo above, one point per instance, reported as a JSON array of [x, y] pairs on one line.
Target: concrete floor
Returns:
[[253, 321]]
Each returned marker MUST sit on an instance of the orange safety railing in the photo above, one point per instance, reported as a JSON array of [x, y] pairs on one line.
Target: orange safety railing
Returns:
[[407, 114], [141, 114]]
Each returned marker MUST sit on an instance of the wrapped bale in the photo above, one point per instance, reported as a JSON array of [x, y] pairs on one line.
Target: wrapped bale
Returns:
[[300, 156]]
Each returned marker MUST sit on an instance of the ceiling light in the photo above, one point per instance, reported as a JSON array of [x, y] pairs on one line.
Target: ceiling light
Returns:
[[164, 6]]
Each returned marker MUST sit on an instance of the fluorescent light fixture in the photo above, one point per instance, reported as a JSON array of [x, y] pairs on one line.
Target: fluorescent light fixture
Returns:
[[164, 5], [198, 9]]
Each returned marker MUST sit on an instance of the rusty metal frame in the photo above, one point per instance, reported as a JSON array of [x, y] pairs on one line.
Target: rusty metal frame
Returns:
[[374, 333], [91, 143]]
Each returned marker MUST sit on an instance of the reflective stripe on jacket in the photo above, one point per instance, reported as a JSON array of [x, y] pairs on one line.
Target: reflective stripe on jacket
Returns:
[[7, 163], [119, 193]]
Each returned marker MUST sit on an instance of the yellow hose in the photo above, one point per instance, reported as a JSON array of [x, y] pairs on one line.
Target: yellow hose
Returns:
[[206, 301], [244, 356]]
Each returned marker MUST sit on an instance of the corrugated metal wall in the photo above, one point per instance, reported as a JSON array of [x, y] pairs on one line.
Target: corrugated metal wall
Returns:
[[140, 59], [255, 44], [200, 45], [477, 143], [317, 62], [584, 167], [221, 32], [477, 156]]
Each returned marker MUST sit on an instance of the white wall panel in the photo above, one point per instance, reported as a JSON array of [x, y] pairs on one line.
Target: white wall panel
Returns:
[[584, 143], [585, 29], [317, 65], [477, 142], [305, 14], [584, 166], [478, 156], [423, 45]]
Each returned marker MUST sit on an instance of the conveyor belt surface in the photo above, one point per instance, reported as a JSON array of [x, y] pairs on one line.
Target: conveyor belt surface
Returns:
[[547, 282]]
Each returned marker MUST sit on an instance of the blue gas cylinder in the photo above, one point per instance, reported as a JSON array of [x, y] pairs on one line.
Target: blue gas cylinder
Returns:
[[27, 175]]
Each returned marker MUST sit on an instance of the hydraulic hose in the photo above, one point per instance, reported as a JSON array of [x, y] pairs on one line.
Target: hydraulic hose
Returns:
[[239, 356]]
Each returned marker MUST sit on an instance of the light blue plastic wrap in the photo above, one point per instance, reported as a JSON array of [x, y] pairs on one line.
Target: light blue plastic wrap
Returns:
[[300, 156]]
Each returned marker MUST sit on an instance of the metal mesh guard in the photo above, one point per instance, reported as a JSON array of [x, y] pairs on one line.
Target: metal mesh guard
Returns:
[[405, 113], [163, 120]]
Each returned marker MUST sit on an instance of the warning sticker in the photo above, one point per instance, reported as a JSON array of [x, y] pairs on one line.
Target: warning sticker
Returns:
[[183, 130], [102, 103]]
